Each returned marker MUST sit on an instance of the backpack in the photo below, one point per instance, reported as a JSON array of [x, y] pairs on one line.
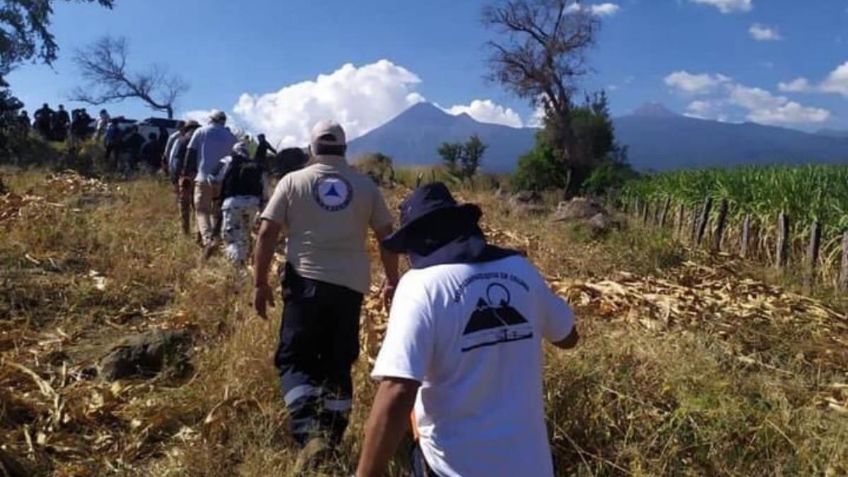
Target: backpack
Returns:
[[243, 178]]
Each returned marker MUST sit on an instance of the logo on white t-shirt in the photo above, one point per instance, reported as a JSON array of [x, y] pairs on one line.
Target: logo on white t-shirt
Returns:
[[333, 192], [494, 321]]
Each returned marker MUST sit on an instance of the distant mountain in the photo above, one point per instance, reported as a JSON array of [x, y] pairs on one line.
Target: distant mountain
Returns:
[[671, 141], [413, 137], [833, 133], [657, 139], [654, 110]]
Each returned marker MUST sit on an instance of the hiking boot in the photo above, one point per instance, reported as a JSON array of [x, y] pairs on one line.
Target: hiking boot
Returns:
[[313, 454]]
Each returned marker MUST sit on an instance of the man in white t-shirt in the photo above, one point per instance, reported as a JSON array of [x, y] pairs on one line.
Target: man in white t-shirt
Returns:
[[464, 350]]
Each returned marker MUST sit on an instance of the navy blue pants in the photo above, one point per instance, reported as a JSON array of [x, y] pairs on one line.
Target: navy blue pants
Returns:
[[419, 466], [319, 342]]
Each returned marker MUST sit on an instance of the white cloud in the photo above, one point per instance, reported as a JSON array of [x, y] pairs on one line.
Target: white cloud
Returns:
[[721, 93], [764, 33], [765, 108], [837, 81], [600, 10], [486, 111], [798, 85], [729, 6], [686, 82], [360, 98]]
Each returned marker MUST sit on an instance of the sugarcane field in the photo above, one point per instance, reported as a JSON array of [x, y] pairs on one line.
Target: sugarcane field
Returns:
[[499, 238]]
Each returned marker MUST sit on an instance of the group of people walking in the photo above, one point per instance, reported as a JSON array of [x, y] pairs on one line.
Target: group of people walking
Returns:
[[58, 126], [461, 364], [215, 176]]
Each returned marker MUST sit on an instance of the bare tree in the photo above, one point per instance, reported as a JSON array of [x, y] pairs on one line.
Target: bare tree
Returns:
[[539, 57], [103, 66]]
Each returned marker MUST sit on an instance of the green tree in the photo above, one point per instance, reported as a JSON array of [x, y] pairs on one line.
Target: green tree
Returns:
[[462, 160], [25, 33], [539, 56], [24, 36], [605, 162]]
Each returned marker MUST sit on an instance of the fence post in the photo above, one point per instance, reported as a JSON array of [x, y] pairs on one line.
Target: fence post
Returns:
[[782, 240], [636, 207], [843, 273], [680, 211], [433, 176], [720, 225], [664, 214], [813, 254], [419, 179], [645, 212], [746, 236], [702, 222]]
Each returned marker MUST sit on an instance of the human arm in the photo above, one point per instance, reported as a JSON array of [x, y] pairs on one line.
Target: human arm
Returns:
[[263, 253], [387, 424], [390, 266], [559, 325], [382, 225]]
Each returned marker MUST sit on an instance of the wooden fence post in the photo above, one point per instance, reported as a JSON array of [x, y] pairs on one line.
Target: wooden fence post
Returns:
[[636, 207], [680, 211], [746, 236], [813, 254], [782, 240], [664, 214], [645, 212], [704, 219], [843, 272], [720, 225]]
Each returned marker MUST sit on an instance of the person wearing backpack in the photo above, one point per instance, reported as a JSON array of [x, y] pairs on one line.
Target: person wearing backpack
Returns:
[[243, 191]]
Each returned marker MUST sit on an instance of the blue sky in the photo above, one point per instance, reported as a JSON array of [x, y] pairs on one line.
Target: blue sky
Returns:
[[780, 62]]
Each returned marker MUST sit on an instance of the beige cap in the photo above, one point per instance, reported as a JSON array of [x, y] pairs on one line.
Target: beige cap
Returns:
[[328, 133]]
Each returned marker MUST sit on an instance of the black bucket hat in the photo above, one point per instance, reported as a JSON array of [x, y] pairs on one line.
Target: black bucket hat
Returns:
[[427, 203]]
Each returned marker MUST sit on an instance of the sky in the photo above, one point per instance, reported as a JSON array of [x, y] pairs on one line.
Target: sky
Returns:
[[279, 66]]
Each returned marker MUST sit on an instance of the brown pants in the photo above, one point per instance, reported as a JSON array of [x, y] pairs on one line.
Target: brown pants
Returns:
[[207, 210]]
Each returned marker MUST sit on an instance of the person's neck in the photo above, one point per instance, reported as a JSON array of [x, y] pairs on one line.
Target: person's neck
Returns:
[[330, 160]]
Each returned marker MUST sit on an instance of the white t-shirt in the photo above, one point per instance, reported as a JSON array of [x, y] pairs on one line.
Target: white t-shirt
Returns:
[[471, 334]]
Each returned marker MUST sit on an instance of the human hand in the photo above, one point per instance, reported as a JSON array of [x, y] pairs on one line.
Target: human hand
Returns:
[[262, 297]]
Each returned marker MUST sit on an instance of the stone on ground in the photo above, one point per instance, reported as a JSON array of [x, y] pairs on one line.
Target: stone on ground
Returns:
[[146, 354]]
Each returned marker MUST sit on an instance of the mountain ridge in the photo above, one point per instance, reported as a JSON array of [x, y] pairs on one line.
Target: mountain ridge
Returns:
[[657, 138]]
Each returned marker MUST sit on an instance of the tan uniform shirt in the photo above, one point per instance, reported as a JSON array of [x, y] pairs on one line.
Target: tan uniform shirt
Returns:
[[326, 210]]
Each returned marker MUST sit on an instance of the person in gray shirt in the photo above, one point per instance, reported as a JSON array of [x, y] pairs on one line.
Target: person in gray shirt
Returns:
[[208, 145]]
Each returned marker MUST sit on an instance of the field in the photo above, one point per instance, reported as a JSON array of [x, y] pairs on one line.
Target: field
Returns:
[[807, 195], [690, 364]]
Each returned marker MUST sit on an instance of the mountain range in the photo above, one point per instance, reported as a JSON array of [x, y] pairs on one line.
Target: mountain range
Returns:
[[657, 140]]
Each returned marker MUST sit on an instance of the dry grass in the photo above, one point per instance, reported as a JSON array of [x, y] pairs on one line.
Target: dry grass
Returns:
[[763, 397]]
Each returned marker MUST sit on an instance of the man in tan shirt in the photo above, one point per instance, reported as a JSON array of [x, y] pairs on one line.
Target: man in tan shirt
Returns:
[[325, 211]]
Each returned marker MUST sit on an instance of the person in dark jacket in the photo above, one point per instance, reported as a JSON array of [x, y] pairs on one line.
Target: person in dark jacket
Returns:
[[184, 183], [262, 150], [131, 148], [44, 121], [112, 141], [151, 153], [244, 186], [61, 123]]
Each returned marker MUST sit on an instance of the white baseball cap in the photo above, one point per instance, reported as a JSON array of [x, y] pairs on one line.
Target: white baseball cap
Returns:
[[328, 133]]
